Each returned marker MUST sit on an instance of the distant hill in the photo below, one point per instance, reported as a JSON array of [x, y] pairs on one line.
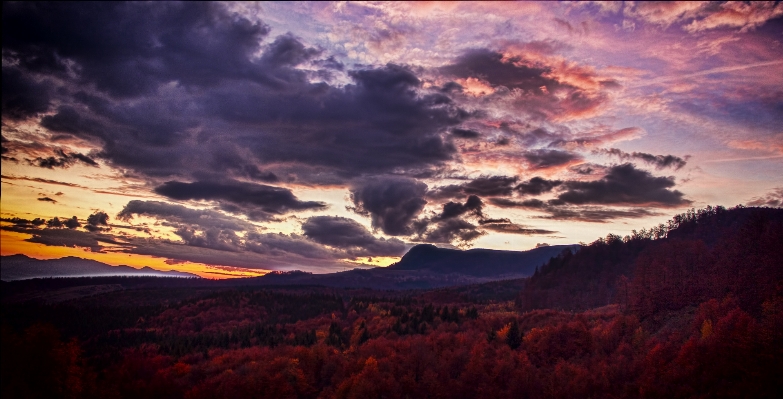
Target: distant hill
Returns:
[[478, 262], [21, 267], [426, 266]]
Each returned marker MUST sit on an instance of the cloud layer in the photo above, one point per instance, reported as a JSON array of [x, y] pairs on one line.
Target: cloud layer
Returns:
[[452, 124]]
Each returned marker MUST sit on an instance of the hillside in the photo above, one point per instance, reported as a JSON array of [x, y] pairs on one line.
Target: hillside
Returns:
[[711, 253]]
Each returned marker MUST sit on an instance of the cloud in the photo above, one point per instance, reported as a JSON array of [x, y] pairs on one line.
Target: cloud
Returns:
[[72, 223], [595, 215], [543, 88], [490, 186], [705, 15], [659, 161], [601, 137], [505, 226], [183, 215], [465, 133], [40, 180], [98, 221], [59, 237], [491, 67], [590, 214], [349, 235], [772, 199], [23, 97], [509, 203], [545, 159], [140, 45], [278, 244], [734, 14], [472, 206], [391, 202], [537, 186], [623, 185], [24, 222], [63, 160], [453, 230], [47, 199], [257, 201], [665, 13], [221, 240], [159, 85]]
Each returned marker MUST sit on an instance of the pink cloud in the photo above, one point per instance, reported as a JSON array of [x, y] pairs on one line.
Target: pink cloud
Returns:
[[736, 14]]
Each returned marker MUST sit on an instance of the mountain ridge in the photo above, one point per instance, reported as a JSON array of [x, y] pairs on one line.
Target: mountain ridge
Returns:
[[23, 267]]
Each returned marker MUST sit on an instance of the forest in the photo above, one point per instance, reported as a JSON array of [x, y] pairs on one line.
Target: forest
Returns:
[[688, 309]]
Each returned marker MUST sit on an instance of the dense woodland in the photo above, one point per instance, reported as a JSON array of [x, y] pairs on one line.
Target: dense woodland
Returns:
[[693, 308]]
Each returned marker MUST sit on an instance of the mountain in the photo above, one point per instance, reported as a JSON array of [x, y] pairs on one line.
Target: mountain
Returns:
[[478, 262], [21, 267], [427, 266]]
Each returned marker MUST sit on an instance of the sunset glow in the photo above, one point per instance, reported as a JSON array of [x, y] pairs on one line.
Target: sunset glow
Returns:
[[235, 139]]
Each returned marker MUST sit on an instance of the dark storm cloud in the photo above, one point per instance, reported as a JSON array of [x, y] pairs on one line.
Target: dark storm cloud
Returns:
[[491, 186], [23, 97], [278, 244], [258, 201], [381, 121], [183, 215], [391, 202], [623, 185], [60, 237], [472, 206], [589, 214], [347, 234], [465, 133], [128, 49], [72, 223], [658, 161], [450, 87], [159, 85], [453, 230], [587, 168], [509, 203], [63, 160], [221, 240], [98, 221], [537, 89], [491, 67], [24, 222], [537, 186], [287, 51], [543, 159], [65, 238], [576, 200]]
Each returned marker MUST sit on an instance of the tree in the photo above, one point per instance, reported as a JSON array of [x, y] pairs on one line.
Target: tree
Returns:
[[514, 336]]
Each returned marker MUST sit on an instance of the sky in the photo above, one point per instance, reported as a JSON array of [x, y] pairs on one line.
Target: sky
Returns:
[[235, 139]]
